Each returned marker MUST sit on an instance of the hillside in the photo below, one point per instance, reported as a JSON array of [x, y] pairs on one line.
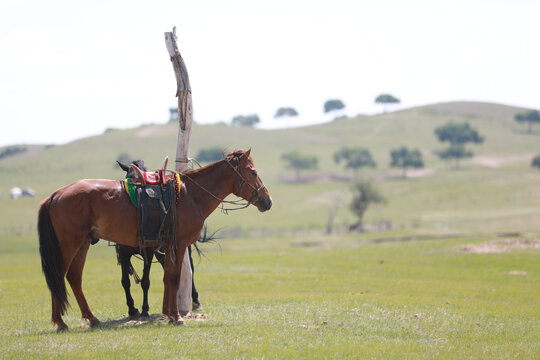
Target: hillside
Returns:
[[497, 190]]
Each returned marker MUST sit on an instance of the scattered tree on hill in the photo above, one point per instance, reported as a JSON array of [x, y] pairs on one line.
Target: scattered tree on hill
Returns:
[[364, 193], [246, 120], [354, 158], [285, 112], [173, 114], [299, 162], [536, 162], [457, 135], [456, 152], [209, 154], [529, 117], [333, 105], [385, 99], [12, 150], [406, 158]]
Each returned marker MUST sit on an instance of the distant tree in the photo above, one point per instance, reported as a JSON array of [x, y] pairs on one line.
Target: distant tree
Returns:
[[333, 105], [385, 99], [536, 162], [406, 158], [299, 162], [286, 112], [457, 135], [354, 158], [173, 114], [529, 117], [209, 155], [12, 150], [456, 152], [364, 193], [246, 120]]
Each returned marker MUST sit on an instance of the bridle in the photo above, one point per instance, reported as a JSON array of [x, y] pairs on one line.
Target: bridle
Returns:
[[255, 196], [243, 182]]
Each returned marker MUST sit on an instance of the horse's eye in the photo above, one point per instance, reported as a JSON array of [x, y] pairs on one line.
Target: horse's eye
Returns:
[[254, 173]]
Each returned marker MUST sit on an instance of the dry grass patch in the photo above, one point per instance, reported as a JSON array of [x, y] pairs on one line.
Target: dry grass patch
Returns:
[[503, 245]]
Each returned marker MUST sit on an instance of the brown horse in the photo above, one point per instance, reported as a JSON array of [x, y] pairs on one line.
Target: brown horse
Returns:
[[88, 209]]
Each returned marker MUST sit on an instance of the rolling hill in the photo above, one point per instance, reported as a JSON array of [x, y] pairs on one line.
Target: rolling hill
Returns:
[[495, 191]]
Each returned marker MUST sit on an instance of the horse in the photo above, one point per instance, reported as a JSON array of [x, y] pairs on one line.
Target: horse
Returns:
[[74, 215], [124, 254]]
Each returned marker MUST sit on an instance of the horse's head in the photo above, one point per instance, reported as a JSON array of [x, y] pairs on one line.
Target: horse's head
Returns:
[[250, 187], [130, 173]]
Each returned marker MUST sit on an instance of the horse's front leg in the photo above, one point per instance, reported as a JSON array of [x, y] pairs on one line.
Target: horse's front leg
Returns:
[[171, 282]]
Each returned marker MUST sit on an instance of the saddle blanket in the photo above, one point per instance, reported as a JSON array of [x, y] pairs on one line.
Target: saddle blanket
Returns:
[[156, 208], [129, 186]]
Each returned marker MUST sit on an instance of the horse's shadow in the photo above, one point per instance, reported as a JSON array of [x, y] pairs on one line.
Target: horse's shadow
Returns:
[[131, 322]]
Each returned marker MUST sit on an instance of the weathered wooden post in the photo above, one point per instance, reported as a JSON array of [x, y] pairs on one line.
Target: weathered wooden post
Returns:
[[185, 120]]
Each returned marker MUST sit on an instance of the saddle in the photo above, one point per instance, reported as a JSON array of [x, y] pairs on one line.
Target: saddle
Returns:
[[155, 194]]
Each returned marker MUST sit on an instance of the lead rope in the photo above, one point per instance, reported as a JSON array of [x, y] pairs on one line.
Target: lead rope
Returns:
[[238, 203]]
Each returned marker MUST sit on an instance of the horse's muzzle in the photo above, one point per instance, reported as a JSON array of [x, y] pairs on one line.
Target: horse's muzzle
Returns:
[[264, 203]]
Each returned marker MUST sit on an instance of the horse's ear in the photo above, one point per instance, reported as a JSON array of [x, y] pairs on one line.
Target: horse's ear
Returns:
[[248, 152], [122, 166]]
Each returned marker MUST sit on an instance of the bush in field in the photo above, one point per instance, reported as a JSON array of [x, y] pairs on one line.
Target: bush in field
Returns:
[[364, 194]]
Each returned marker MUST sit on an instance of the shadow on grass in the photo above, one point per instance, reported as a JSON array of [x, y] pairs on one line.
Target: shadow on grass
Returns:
[[154, 319], [129, 323]]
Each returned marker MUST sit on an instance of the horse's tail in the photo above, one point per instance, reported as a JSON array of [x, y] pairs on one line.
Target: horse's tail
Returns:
[[52, 264]]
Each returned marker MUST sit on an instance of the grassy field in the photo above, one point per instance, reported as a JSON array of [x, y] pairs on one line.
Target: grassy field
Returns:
[[275, 285], [339, 297]]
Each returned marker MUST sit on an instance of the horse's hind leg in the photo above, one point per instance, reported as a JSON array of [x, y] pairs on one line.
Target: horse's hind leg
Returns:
[[145, 281], [124, 257], [74, 277], [196, 304], [57, 316]]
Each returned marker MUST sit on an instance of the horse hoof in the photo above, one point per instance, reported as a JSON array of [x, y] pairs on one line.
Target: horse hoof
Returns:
[[145, 314], [94, 323], [61, 328], [177, 320], [197, 307], [134, 314]]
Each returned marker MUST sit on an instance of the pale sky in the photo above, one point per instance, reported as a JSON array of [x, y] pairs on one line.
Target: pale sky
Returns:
[[70, 69]]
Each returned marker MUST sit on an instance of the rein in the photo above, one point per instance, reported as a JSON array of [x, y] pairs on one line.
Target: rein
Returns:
[[239, 204]]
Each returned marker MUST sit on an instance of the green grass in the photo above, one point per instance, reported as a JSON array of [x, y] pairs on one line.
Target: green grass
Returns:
[[344, 297]]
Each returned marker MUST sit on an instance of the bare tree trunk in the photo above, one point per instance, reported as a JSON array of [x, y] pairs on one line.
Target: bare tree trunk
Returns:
[[185, 119]]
